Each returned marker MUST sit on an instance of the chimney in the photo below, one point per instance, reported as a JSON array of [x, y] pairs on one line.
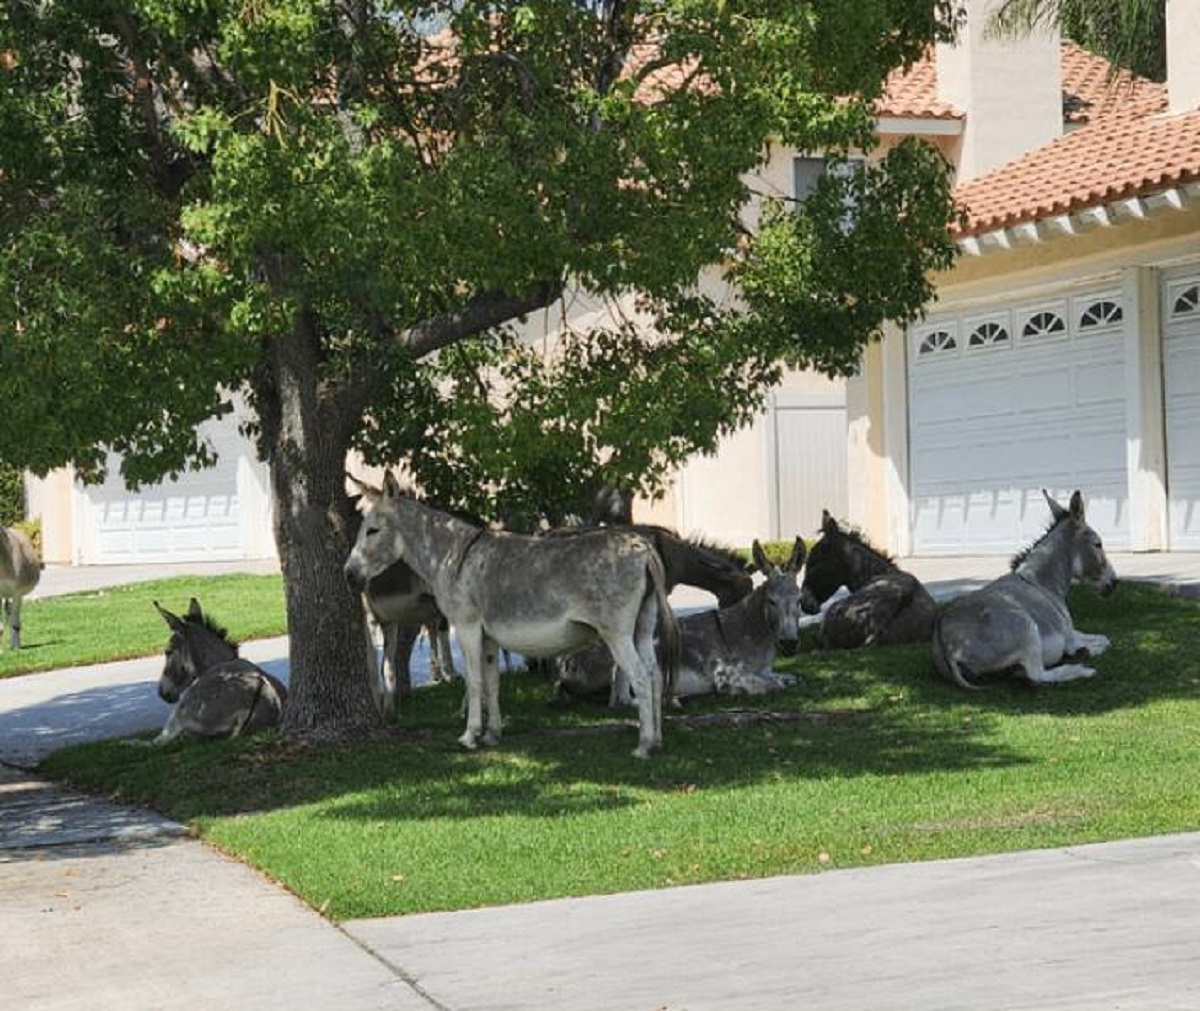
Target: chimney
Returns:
[[1010, 90], [1183, 54]]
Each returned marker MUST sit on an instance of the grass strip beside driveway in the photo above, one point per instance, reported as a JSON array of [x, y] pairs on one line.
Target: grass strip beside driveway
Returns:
[[872, 760], [120, 622]]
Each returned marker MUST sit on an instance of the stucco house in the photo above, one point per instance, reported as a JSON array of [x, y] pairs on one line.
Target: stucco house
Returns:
[[1063, 349]]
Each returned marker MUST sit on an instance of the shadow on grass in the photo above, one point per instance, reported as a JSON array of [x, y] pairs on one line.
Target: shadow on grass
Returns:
[[1154, 656], [880, 713]]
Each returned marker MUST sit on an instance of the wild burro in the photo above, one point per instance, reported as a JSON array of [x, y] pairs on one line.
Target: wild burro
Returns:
[[401, 604], [20, 570], [215, 692], [1019, 623], [728, 651], [538, 596], [885, 605]]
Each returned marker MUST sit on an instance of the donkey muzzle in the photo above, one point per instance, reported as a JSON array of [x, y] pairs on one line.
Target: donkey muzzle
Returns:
[[808, 601], [788, 647], [356, 578]]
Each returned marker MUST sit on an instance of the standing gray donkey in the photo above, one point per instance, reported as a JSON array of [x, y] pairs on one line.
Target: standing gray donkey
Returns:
[[20, 571], [1020, 621], [538, 596]]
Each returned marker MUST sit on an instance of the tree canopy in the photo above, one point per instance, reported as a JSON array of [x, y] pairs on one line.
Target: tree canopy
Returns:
[[337, 207]]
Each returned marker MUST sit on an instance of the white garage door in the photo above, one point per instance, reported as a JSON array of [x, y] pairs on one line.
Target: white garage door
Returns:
[[194, 518], [1181, 390], [1006, 402]]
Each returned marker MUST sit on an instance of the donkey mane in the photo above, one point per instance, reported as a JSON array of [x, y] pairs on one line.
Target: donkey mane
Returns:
[[217, 629], [859, 538], [1021, 556], [723, 551]]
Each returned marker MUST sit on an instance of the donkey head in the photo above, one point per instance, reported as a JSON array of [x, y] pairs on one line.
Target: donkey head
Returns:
[[781, 596], [1089, 564], [196, 644], [380, 542], [839, 558]]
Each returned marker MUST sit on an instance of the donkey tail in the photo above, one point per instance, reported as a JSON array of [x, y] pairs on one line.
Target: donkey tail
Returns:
[[945, 664], [669, 644]]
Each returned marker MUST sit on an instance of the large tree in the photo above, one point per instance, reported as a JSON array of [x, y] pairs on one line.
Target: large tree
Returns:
[[334, 206]]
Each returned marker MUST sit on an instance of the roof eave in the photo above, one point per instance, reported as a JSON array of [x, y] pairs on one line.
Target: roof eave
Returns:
[[921, 126], [1065, 222]]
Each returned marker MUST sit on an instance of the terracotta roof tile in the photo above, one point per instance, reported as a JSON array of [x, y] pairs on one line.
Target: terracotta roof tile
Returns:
[[1118, 155], [1091, 90], [912, 94]]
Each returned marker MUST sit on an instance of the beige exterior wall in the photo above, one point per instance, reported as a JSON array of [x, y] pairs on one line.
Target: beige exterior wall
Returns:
[[52, 500], [1183, 54], [1010, 90]]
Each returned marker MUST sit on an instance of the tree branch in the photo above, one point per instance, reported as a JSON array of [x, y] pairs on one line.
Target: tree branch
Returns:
[[481, 313]]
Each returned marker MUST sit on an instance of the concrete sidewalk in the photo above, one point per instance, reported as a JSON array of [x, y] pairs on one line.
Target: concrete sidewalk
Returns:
[[107, 907]]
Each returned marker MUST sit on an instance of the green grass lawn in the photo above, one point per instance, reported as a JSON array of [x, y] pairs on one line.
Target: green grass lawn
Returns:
[[121, 622], [869, 759]]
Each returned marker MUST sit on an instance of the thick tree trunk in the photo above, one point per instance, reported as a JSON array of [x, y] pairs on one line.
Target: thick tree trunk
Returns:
[[306, 436]]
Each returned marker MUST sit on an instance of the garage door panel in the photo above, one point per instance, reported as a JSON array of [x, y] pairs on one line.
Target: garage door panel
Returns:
[[1181, 391], [1101, 383], [988, 431], [196, 517]]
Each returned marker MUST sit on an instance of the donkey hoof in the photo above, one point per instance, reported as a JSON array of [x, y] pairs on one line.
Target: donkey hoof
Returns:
[[641, 751], [469, 741], [490, 739]]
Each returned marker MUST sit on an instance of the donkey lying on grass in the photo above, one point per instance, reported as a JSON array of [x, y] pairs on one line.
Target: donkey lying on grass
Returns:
[[538, 596], [1020, 621], [730, 651], [20, 571], [215, 692], [885, 604]]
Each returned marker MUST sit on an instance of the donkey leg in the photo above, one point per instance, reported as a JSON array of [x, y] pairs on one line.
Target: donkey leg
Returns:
[[399, 655], [491, 689], [627, 659], [644, 644], [1083, 644], [446, 671], [171, 729], [1037, 673], [471, 641], [14, 617]]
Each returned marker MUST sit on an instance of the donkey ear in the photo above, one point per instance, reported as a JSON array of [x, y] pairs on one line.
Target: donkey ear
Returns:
[[797, 559], [760, 558], [391, 487], [369, 493], [194, 611], [1057, 511], [173, 621], [828, 523], [1076, 507]]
